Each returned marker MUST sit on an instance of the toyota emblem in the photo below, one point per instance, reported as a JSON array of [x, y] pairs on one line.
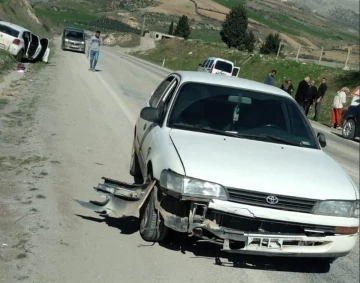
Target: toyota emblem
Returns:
[[272, 200]]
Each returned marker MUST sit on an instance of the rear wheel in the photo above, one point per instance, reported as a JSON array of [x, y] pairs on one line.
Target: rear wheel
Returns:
[[20, 55], [152, 228], [348, 131]]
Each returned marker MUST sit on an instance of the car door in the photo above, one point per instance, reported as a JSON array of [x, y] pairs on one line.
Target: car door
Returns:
[[143, 135], [34, 47], [236, 71]]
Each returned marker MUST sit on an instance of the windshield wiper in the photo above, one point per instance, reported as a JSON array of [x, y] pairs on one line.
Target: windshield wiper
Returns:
[[208, 130], [270, 137]]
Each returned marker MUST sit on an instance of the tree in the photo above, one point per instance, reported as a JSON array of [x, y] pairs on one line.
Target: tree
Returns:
[[271, 45], [183, 27], [171, 28], [250, 41], [234, 28]]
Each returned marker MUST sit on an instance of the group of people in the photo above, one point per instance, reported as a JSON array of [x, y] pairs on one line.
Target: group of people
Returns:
[[307, 94]]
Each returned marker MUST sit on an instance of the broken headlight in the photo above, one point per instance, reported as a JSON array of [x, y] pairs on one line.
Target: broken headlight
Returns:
[[190, 186], [338, 208]]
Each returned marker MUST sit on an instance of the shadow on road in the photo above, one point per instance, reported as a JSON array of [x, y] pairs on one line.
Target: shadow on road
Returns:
[[340, 136], [126, 225], [182, 243]]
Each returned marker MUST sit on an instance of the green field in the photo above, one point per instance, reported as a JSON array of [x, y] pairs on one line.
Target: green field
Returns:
[[285, 24], [176, 55]]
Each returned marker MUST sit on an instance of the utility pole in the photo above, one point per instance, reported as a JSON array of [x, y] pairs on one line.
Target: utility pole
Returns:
[[322, 50], [143, 26], [347, 57], [277, 55], [297, 55]]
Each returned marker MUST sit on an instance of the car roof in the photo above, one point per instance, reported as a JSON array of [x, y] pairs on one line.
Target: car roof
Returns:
[[217, 58], [18, 28], [74, 29], [235, 82]]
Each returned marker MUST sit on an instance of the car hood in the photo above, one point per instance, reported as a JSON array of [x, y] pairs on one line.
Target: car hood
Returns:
[[75, 39], [262, 166]]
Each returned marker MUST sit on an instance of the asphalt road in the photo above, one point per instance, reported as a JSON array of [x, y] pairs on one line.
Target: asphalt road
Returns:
[[86, 123]]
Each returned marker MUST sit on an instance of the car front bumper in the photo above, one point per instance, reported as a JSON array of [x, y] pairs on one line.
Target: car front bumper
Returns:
[[74, 46], [237, 228]]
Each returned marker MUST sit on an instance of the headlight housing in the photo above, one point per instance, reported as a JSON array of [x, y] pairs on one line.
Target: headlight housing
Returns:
[[340, 208], [66, 40], [190, 186]]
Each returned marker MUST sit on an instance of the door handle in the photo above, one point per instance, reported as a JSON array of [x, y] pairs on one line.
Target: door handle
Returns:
[[145, 127]]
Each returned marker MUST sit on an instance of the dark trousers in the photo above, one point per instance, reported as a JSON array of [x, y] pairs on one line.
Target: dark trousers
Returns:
[[317, 110], [307, 105]]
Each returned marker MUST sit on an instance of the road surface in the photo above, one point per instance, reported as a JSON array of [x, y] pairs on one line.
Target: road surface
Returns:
[[84, 124]]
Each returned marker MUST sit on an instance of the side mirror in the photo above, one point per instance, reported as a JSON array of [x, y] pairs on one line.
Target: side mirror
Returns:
[[200, 64], [322, 139], [150, 114]]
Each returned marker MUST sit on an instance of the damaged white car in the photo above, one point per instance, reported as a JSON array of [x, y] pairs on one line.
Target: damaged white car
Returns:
[[22, 43], [235, 163]]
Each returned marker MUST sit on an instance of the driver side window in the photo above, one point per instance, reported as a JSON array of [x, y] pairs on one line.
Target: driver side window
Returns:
[[155, 98]]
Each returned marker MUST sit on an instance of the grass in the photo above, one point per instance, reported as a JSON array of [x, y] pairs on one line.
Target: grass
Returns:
[[7, 62], [3, 102], [63, 17], [178, 57]]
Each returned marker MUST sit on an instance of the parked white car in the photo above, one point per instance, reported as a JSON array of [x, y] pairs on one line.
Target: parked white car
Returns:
[[236, 163], [214, 65], [22, 43]]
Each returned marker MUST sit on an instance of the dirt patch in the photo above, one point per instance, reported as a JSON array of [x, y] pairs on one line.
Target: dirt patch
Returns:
[[21, 171], [122, 39]]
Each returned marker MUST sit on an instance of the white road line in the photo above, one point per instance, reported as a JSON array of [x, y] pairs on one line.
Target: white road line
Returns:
[[129, 115]]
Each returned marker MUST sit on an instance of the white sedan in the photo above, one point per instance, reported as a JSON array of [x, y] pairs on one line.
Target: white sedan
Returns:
[[235, 163]]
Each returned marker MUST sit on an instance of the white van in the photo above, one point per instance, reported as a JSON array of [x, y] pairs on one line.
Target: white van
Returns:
[[214, 65]]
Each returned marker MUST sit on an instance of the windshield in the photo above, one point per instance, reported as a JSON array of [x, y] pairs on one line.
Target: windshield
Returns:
[[240, 113], [74, 34]]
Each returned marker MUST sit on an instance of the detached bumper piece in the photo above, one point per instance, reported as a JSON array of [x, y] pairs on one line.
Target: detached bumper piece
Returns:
[[121, 199]]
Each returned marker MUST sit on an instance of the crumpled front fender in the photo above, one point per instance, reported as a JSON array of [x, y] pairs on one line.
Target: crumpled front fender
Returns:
[[121, 199]]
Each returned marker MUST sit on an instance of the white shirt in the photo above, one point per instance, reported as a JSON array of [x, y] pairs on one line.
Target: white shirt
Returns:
[[339, 99]]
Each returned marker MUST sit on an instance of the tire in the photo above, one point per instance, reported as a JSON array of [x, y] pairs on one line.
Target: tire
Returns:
[[152, 229], [349, 128], [19, 57], [135, 170]]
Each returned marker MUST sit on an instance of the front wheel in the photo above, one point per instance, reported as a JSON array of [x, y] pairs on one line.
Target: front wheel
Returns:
[[152, 228], [348, 131]]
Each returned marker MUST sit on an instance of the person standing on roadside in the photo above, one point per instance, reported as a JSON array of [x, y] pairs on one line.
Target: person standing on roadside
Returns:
[[94, 50], [311, 96], [338, 104], [319, 97], [302, 91], [270, 78], [287, 86]]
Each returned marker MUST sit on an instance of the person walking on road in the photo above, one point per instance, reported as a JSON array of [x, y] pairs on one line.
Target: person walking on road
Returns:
[[311, 96], [319, 97], [270, 78], [94, 50], [302, 91], [338, 104]]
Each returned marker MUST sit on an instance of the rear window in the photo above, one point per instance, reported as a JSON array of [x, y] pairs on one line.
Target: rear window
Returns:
[[74, 34], [9, 31], [224, 66]]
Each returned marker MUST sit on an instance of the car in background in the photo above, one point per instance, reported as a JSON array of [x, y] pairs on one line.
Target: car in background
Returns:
[[350, 122], [73, 39], [22, 43], [214, 65]]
